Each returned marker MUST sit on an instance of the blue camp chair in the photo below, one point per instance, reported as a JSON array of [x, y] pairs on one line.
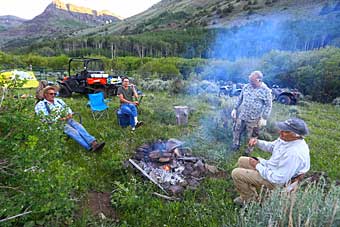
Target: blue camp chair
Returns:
[[98, 105]]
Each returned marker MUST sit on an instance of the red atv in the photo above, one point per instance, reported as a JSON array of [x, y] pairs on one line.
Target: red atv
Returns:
[[88, 77]]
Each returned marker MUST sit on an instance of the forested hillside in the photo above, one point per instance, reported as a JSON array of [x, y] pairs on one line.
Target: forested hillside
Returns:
[[249, 31]]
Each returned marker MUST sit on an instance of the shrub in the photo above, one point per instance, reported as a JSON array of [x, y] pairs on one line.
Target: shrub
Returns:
[[177, 86], [311, 205], [202, 87], [155, 85]]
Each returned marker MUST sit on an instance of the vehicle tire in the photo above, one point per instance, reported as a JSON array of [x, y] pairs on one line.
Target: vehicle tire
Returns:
[[293, 101], [284, 99], [64, 92]]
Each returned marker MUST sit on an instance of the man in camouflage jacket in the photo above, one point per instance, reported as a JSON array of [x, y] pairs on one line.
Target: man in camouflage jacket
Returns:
[[252, 108]]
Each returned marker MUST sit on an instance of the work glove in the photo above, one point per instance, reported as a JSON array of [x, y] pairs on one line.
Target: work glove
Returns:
[[233, 113], [263, 122]]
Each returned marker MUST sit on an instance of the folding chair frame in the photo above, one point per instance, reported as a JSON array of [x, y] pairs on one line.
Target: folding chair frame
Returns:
[[99, 110]]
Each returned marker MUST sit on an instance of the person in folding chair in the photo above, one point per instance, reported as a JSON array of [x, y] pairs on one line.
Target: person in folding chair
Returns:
[[289, 162], [56, 107], [98, 105], [128, 106]]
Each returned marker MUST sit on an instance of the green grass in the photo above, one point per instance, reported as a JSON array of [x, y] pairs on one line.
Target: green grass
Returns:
[[70, 172]]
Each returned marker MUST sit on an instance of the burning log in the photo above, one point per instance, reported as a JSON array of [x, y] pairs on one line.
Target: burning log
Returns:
[[170, 166], [192, 159], [164, 159]]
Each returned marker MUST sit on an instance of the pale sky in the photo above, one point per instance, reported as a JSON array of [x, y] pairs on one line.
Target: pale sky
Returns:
[[28, 9]]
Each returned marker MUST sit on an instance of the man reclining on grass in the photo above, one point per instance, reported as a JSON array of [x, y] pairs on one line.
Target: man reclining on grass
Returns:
[[290, 159], [56, 108]]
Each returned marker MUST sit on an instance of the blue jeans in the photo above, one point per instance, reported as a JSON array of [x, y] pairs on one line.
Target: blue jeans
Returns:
[[77, 132], [131, 110]]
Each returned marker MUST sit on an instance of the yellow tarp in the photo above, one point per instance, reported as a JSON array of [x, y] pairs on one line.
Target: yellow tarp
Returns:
[[31, 81]]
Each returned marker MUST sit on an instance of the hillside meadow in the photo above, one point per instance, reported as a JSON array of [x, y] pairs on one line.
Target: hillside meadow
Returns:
[[52, 177]]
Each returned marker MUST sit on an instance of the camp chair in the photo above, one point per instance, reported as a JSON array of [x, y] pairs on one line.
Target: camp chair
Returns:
[[98, 105], [292, 185]]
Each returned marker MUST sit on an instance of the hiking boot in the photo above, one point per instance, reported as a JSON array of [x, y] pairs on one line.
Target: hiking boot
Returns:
[[139, 123], [98, 147]]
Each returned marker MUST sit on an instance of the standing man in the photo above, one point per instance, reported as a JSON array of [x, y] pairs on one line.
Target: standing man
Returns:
[[126, 93], [252, 109], [290, 160], [54, 109]]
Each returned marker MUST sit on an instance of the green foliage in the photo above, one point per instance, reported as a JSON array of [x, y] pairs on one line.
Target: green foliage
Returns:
[[128, 63], [155, 85], [166, 68], [314, 73], [9, 83], [48, 173], [311, 205]]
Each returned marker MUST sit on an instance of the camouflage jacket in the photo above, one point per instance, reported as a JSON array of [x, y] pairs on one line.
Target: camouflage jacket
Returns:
[[254, 103]]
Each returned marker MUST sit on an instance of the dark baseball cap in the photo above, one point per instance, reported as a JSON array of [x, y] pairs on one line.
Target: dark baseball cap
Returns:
[[295, 125]]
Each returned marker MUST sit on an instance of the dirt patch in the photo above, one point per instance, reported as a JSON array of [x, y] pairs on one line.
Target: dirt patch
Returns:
[[99, 205]]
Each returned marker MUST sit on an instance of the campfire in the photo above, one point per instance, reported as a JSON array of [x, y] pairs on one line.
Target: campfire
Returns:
[[171, 166]]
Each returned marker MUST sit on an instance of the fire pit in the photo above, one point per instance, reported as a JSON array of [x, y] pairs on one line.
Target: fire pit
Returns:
[[171, 166]]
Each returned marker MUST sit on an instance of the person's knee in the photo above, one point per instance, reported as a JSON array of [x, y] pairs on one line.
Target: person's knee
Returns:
[[69, 130], [236, 173], [126, 110], [242, 161]]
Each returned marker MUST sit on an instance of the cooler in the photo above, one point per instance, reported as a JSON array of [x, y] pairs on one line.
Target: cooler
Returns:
[[123, 119]]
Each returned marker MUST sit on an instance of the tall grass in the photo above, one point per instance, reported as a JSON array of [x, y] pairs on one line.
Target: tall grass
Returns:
[[314, 204]]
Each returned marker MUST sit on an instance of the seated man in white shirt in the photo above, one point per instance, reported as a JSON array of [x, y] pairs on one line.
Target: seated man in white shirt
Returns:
[[52, 109], [290, 158]]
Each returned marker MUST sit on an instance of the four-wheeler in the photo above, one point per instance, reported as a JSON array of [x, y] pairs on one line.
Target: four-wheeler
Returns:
[[88, 77], [231, 89], [285, 95]]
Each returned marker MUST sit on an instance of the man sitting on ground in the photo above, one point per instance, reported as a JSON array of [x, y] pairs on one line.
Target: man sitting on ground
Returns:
[[290, 159], [126, 93], [73, 129]]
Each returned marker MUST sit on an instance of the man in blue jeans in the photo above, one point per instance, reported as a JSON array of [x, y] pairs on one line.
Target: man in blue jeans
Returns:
[[126, 93], [54, 109]]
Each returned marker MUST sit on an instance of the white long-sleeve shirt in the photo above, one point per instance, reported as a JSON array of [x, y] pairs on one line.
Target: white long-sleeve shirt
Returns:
[[288, 160]]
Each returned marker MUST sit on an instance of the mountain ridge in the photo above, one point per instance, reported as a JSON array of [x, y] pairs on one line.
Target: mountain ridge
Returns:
[[80, 9], [57, 20]]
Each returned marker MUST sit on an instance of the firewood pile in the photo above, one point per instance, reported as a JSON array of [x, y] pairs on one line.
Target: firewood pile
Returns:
[[171, 166]]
